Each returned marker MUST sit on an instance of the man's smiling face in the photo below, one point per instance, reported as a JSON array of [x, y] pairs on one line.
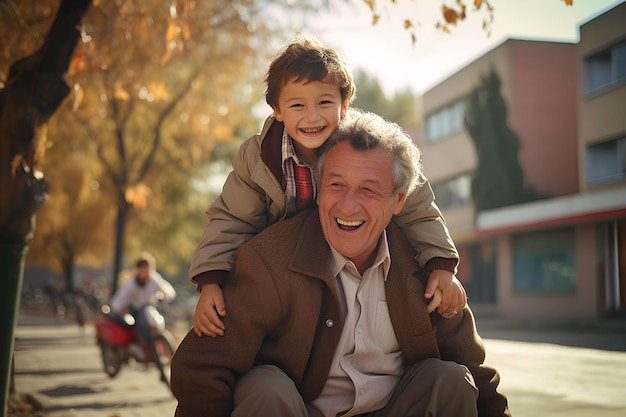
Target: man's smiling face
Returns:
[[356, 200]]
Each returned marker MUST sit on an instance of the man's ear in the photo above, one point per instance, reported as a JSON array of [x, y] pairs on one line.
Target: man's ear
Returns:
[[277, 114], [400, 203]]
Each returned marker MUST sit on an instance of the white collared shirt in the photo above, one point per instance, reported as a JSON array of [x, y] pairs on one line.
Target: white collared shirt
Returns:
[[368, 362]]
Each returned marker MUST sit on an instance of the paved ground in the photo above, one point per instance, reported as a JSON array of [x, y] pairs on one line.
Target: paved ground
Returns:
[[547, 369], [573, 369]]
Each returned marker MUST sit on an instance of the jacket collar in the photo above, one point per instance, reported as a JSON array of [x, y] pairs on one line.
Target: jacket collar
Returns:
[[312, 253], [271, 140]]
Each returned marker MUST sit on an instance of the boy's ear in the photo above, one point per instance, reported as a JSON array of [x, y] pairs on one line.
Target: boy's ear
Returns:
[[277, 114], [344, 108]]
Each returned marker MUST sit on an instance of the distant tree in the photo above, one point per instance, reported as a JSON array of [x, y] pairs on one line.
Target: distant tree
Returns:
[[369, 93], [499, 179], [75, 223], [401, 108]]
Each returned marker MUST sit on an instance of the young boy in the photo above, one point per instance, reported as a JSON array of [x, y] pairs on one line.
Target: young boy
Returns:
[[309, 89]]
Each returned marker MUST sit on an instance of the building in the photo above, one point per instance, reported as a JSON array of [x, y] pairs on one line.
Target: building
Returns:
[[563, 256]]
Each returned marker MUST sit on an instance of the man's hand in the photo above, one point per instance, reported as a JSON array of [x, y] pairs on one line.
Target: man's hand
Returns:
[[210, 304], [454, 297]]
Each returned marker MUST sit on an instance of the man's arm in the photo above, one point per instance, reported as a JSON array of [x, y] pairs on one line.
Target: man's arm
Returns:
[[459, 342], [205, 369]]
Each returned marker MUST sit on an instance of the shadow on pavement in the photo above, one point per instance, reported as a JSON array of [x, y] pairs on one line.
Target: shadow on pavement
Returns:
[[603, 334]]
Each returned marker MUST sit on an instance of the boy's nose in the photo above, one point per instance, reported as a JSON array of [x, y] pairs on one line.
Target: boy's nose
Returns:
[[312, 114]]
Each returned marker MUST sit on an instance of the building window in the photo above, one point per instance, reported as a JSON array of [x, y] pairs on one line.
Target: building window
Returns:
[[543, 262], [606, 68], [445, 122], [455, 192], [606, 161]]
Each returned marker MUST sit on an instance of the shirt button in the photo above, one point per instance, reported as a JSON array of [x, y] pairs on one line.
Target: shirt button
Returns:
[[330, 323]]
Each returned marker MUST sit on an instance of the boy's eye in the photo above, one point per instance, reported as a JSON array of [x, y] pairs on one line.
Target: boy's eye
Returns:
[[325, 102], [295, 105]]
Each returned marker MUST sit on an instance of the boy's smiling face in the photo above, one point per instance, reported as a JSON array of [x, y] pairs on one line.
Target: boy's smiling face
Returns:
[[310, 111]]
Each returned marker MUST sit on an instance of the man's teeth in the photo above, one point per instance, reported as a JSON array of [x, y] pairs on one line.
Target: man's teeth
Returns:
[[350, 223]]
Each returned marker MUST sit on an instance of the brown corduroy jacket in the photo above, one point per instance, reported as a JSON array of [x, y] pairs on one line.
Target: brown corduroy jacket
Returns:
[[283, 309]]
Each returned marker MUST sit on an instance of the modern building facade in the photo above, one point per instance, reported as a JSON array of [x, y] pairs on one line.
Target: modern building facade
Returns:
[[563, 256]]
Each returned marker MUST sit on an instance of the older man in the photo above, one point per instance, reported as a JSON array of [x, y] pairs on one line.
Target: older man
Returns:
[[324, 317]]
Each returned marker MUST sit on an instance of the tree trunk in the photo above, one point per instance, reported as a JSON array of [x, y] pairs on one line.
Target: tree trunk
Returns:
[[35, 88], [120, 227]]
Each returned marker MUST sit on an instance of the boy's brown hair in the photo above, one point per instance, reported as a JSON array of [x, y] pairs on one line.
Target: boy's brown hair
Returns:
[[307, 59]]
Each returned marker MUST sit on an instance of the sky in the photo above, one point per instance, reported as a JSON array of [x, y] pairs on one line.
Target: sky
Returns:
[[386, 52]]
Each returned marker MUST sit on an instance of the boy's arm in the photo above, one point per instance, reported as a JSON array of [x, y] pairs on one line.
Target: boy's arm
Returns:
[[251, 199], [424, 226]]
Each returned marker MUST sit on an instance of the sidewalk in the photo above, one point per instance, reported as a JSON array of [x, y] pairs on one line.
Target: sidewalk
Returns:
[[60, 366], [547, 369]]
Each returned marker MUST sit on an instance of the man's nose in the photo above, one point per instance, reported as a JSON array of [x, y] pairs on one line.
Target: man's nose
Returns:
[[349, 203]]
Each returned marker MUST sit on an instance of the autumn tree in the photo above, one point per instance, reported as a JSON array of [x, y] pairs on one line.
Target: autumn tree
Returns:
[[153, 114], [75, 223], [33, 90]]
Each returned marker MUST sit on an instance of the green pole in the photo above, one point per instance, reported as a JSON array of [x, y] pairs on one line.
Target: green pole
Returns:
[[12, 273]]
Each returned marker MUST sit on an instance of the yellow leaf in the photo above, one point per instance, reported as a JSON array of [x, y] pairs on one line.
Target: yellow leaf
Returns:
[[478, 3], [186, 31], [450, 15], [167, 54], [159, 90], [120, 93], [370, 4], [171, 34], [569, 2], [138, 195], [375, 19], [408, 24]]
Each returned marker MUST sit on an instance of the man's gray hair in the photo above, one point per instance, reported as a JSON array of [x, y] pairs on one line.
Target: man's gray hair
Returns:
[[367, 131]]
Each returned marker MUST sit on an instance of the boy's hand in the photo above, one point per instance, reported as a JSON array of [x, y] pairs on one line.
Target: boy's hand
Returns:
[[454, 297], [210, 304]]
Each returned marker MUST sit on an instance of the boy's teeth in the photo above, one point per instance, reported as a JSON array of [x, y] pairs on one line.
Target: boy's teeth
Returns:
[[351, 223], [313, 130]]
